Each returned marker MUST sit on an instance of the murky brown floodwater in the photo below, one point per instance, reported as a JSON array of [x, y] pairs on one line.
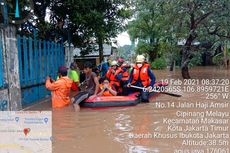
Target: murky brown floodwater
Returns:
[[108, 130]]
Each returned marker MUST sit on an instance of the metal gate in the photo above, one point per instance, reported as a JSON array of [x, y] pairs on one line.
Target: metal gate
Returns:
[[37, 59]]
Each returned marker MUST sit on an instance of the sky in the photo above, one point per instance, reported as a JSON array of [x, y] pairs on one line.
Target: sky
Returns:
[[123, 39]]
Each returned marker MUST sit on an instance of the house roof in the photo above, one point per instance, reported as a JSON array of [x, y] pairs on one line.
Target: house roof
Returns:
[[107, 51]]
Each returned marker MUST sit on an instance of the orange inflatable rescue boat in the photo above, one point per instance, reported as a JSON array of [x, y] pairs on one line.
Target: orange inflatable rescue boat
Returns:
[[118, 101]]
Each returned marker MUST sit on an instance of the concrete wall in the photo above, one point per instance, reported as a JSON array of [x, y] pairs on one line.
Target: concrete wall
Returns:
[[68, 54], [10, 95], [4, 96], [4, 100]]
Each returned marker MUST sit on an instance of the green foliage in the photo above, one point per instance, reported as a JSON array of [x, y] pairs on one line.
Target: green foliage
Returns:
[[85, 23], [159, 63], [91, 22], [218, 59], [144, 27], [124, 51], [170, 51], [24, 7], [196, 59], [143, 47], [199, 21], [188, 21], [150, 28]]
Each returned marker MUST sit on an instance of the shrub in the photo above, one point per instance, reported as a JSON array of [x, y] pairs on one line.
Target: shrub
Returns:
[[196, 59], [159, 63], [218, 59]]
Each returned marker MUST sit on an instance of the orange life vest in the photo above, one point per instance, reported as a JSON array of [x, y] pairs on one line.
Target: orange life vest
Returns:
[[125, 74], [112, 76], [142, 73], [105, 93], [147, 64]]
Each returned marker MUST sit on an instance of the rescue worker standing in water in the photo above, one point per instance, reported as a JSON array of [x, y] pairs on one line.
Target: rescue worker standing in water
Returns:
[[141, 76], [60, 89]]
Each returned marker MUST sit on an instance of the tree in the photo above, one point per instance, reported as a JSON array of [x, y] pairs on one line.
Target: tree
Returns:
[[189, 21], [108, 20], [30, 17], [124, 52], [84, 23], [91, 22], [144, 27], [198, 21]]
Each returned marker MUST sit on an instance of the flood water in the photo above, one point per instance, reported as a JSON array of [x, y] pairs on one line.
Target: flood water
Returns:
[[113, 130]]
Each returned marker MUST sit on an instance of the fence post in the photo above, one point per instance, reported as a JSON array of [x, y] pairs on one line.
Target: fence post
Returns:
[[68, 54], [4, 98], [12, 68]]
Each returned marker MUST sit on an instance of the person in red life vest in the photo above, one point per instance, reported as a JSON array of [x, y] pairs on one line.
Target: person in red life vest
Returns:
[[114, 75], [120, 61], [106, 89], [142, 76], [124, 71]]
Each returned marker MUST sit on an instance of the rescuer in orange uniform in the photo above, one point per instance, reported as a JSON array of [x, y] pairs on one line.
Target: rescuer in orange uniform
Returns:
[[60, 89], [106, 89], [113, 75], [124, 72], [142, 76]]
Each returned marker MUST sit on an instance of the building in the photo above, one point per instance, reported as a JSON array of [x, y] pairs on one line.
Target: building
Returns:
[[92, 57]]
